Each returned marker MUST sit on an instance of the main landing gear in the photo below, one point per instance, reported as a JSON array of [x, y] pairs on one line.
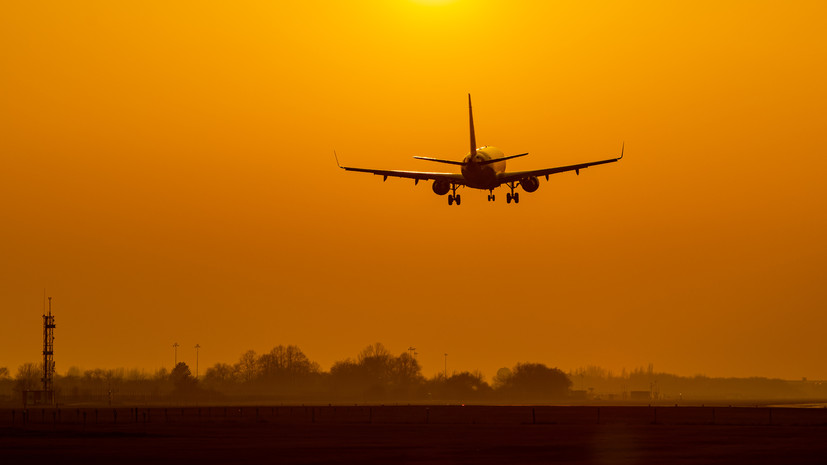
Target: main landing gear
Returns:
[[454, 197], [512, 195]]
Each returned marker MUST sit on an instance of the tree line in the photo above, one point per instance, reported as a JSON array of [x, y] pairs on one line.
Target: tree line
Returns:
[[286, 374]]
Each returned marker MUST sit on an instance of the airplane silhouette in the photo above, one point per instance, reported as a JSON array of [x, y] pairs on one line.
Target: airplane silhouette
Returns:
[[483, 168]]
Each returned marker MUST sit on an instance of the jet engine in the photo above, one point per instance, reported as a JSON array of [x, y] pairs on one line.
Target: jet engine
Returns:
[[530, 184], [441, 187]]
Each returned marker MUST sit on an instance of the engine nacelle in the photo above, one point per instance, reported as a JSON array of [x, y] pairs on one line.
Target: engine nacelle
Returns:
[[530, 184], [441, 187]]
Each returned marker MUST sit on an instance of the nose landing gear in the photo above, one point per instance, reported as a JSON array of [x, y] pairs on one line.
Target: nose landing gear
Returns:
[[491, 196]]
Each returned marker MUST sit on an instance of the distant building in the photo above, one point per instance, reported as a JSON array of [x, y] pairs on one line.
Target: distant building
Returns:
[[578, 395], [640, 395], [38, 398]]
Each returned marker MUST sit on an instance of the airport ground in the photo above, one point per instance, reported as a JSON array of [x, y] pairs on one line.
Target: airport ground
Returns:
[[415, 434]]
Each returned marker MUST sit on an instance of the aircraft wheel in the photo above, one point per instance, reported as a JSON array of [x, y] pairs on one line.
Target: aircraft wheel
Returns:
[[516, 197], [492, 197], [457, 199], [489, 197], [450, 200], [508, 198]]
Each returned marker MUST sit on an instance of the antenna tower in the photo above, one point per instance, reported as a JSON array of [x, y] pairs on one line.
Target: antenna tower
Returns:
[[48, 351]]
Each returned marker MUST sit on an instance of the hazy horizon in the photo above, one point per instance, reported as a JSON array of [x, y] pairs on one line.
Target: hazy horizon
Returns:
[[427, 371]]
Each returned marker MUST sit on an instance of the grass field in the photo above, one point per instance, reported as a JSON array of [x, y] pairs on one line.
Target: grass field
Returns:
[[415, 434]]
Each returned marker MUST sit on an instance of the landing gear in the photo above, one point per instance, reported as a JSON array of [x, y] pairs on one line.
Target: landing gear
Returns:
[[515, 196], [491, 196], [454, 197]]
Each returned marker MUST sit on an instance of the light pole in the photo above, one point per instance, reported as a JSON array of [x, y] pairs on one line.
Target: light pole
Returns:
[[446, 367], [197, 346], [175, 351], [411, 353]]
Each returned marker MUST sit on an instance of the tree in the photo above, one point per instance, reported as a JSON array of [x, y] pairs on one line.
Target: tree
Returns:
[[375, 352], [285, 363], [181, 377], [95, 375], [346, 378], [134, 374], [286, 370], [376, 374], [181, 373], [185, 386], [404, 374], [467, 384], [4, 373], [535, 381], [220, 373], [463, 386], [28, 377], [161, 374], [502, 377], [247, 367]]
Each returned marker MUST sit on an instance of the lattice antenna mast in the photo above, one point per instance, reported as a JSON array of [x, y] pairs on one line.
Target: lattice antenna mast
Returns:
[[48, 349]]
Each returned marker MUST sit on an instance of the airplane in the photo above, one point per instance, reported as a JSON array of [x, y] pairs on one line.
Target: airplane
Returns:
[[483, 168]]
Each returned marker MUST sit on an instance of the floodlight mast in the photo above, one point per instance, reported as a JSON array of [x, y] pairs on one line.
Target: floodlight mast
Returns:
[[48, 351]]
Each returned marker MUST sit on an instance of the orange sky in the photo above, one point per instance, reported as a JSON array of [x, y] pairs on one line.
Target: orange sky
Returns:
[[166, 173]]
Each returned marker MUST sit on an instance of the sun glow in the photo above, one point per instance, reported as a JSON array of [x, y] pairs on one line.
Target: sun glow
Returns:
[[433, 2]]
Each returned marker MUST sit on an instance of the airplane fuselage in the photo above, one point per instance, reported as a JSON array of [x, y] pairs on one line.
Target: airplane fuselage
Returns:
[[483, 176]]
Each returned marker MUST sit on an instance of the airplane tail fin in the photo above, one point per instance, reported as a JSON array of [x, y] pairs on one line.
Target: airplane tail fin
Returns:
[[471, 123]]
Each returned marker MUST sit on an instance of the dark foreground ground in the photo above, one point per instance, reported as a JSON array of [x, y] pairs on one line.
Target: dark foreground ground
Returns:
[[415, 434]]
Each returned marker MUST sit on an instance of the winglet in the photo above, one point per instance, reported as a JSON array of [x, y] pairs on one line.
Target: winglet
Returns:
[[337, 160], [621, 149], [471, 123]]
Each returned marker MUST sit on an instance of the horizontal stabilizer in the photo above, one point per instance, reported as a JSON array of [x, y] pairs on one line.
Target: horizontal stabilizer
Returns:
[[462, 163], [450, 162], [495, 160]]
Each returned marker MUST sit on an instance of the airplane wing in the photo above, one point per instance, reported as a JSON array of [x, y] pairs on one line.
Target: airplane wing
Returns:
[[454, 178], [517, 175]]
